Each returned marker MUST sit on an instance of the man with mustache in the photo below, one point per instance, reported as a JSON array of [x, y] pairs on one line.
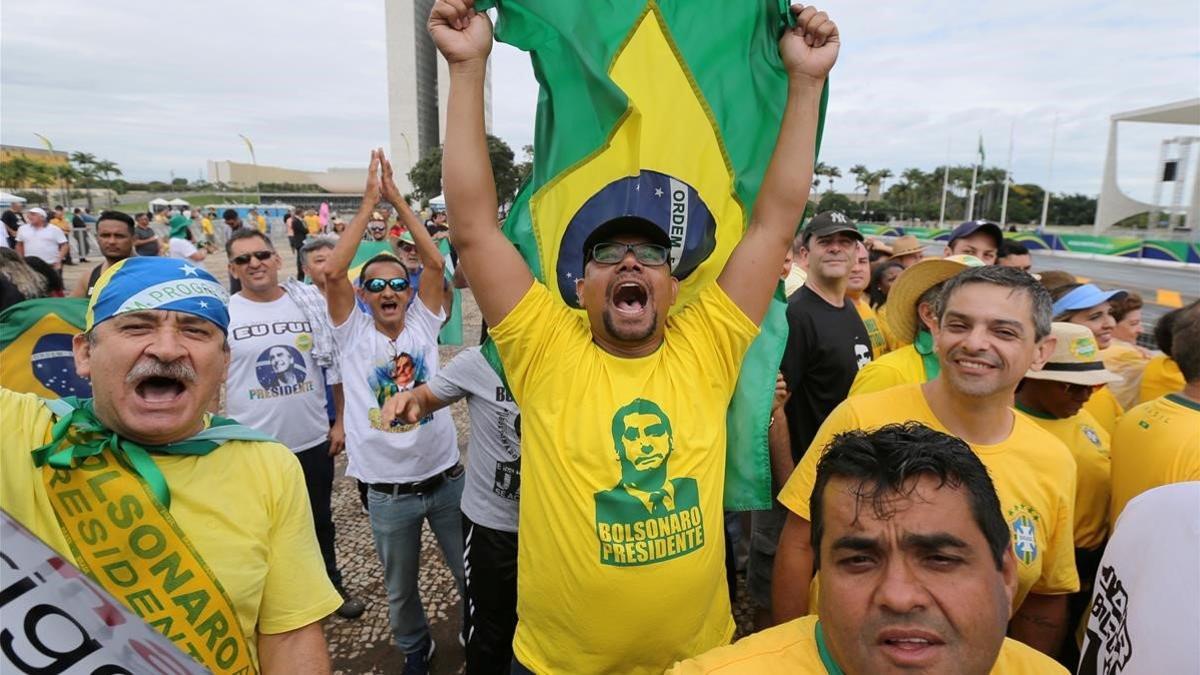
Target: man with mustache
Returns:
[[917, 574], [194, 522], [992, 326], [585, 572]]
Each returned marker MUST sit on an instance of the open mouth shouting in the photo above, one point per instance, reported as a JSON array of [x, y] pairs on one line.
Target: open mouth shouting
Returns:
[[160, 385], [630, 297], [909, 647], [389, 307]]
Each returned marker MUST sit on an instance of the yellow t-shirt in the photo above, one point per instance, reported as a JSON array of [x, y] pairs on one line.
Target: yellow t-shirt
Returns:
[[206, 225], [261, 222], [1161, 377], [1104, 407], [313, 223], [903, 366], [791, 649], [893, 342], [1033, 473], [244, 507], [613, 577], [1157, 443], [1089, 445], [1129, 362], [871, 322]]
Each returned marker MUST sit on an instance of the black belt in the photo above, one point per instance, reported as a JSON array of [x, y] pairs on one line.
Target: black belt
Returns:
[[419, 487]]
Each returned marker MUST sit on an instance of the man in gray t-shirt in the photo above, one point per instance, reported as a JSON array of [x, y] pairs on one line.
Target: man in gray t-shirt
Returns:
[[489, 500]]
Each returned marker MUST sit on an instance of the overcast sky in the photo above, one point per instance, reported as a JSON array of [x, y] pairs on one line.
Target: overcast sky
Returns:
[[163, 87]]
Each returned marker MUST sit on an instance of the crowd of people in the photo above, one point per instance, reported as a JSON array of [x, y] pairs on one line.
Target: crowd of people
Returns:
[[952, 441]]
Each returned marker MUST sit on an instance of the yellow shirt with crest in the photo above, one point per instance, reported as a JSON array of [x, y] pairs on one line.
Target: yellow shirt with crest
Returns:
[[621, 560], [792, 649], [244, 507], [1089, 445], [1033, 473], [1157, 443]]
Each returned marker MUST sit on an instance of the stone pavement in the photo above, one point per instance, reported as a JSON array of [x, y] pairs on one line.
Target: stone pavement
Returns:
[[364, 645]]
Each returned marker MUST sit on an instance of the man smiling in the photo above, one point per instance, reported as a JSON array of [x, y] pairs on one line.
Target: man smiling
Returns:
[[582, 606], [992, 325], [219, 506], [917, 574]]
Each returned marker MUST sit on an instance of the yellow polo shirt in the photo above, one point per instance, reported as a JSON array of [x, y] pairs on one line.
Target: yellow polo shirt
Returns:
[[615, 573], [1160, 378], [792, 649], [1089, 445], [1104, 407], [1157, 443], [1033, 472], [874, 331], [244, 507]]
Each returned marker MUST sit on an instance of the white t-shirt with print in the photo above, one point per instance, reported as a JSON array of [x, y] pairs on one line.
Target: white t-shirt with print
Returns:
[[493, 489], [274, 385], [42, 242], [181, 248], [373, 368]]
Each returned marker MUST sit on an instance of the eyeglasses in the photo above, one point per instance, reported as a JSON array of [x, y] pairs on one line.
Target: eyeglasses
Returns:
[[407, 247], [376, 285], [244, 259], [611, 253]]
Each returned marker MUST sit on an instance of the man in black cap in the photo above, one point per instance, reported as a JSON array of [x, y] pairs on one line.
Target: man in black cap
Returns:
[[623, 374], [827, 344], [980, 238]]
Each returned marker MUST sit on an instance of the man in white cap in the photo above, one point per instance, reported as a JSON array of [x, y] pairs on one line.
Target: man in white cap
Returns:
[[36, 239], [1054, 398]]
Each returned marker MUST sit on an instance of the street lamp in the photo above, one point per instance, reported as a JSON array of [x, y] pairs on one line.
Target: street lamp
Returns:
[[254, 161]]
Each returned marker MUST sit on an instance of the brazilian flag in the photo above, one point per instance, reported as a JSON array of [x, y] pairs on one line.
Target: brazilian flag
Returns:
[[668, 109], [35, 347], [367, 250]]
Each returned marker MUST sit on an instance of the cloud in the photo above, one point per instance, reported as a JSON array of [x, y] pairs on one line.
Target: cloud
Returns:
[[159, 87]]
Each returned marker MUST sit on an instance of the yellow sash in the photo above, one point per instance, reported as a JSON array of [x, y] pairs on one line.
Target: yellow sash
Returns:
[[128, 543]]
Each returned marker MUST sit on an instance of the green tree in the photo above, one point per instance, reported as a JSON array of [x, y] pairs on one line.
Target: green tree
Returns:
[[426, 174], [108, 169], [823, 170], [833, 201], [85, 164], [525, 168]]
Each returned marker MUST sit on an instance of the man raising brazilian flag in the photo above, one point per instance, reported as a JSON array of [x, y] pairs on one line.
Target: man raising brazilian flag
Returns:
[[647, 234]]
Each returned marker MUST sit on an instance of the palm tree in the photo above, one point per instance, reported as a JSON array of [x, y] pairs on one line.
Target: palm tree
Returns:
[[824, 170], [108, 169], [43, 176], [85, 165]]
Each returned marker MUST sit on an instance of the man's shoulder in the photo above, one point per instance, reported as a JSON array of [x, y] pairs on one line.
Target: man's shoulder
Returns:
[[1016, 657], [788, 647], [1040, 446]]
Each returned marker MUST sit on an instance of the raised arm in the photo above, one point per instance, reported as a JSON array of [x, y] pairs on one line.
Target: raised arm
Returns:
[[433, 266], [339, 292], [499, 277], [808, 51]]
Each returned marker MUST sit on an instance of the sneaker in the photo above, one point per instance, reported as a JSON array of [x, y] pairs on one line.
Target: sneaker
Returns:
[[417, 663], [351, 608]]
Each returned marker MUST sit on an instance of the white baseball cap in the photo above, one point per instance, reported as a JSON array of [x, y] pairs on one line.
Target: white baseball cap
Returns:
[[38, 210]]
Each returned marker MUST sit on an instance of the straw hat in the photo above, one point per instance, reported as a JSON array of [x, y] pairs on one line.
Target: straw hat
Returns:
[[1076, 358], [906, 245], [912, 282]]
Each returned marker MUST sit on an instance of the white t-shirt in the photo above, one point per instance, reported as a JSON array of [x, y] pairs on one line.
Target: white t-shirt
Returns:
[[493, 489], [181, 248], [42, 242], [1145, 614], [374, 368], [274, 385]]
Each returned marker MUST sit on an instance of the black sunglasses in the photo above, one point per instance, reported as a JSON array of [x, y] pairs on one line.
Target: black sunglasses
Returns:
[[376, 285], [611, 253], [244, 259]]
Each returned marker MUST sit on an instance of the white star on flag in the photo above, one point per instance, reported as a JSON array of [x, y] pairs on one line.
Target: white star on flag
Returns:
[[658, 192], [203, 305], [189, 271]]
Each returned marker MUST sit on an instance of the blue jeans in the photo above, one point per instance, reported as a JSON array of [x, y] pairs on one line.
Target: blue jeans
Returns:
[[396, 526]]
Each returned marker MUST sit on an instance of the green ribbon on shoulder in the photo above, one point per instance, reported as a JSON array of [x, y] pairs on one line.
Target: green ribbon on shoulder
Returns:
[[929, 358], [78, 433]]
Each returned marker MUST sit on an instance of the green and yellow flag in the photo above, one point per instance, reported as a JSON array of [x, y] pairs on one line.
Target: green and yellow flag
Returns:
[[666, 109], [35, 347]]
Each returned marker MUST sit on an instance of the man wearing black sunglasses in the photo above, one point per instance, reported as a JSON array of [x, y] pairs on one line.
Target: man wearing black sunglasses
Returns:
[[588, 383], [412, 470], [277, 378]]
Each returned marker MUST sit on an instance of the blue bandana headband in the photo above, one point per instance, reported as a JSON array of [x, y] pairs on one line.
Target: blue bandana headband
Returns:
[[149, 283]]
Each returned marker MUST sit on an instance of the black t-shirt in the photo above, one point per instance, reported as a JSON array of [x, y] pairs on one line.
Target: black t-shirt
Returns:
[[12, 220], [299, 232], [825, 348], [78, 222]]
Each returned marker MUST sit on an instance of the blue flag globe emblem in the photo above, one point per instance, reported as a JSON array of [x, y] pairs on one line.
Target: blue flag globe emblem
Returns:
[[664, 200], [53, 364], [1025, 539]]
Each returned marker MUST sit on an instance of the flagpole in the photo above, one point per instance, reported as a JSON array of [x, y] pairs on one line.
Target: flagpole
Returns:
[[971, 198], [1049, 176], [1007, 176], [945, 186]]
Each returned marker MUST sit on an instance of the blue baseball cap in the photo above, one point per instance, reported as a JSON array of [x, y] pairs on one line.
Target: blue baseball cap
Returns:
[[972, 226], [1085, 296]]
